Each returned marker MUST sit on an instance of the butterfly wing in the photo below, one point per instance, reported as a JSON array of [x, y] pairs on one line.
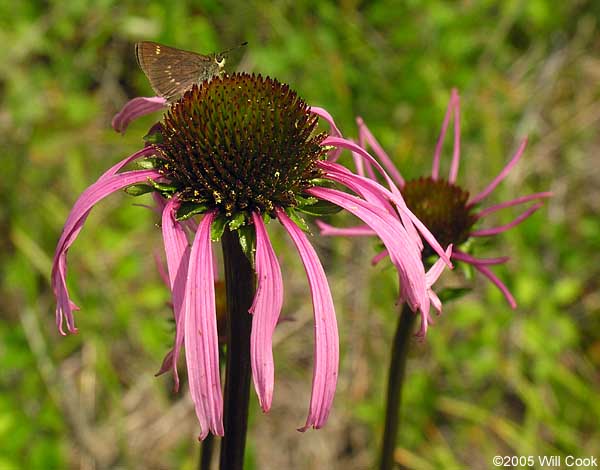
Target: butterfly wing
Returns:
[[171, 71]]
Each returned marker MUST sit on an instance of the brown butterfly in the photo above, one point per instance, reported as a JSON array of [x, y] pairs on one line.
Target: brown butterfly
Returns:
[[173, 71]]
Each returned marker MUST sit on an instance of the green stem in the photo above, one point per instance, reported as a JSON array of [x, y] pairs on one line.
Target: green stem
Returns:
[[240, 288], [206, 452], [395, 381]]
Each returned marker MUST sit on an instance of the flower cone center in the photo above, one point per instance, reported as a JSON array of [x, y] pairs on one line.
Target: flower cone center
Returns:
[[240, 143], [442, 207]]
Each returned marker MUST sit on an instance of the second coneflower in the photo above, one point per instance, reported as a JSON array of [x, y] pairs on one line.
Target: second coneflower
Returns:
[[441, 204], [235, 153]]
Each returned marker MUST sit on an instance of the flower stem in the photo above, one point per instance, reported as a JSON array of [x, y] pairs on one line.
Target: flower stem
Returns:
[[395, 381], [206, 452], [240, 287]]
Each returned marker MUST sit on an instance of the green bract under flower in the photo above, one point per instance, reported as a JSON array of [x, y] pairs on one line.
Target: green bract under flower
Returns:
[[442, 207], [240, 143]]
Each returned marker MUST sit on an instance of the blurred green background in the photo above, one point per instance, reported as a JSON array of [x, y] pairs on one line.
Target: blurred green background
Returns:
[[486, 381]]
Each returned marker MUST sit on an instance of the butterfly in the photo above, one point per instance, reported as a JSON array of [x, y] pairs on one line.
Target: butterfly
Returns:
[[172, 71]]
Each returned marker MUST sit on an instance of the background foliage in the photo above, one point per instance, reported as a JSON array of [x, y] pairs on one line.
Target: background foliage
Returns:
[[486, 381]]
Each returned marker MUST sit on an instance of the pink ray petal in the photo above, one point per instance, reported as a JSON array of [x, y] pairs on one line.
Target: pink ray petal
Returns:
[[431, 278], [361, 152], [177, 251], [326, 346], [374, 192], [435, 301], [384, 158], [367, 188], [331, 231], [335, 154], [405, 258], [371, 190], [435, 169], [167, 364], [359, 164], [436, 270], [379, 256], [113, 170], [503, 228], [480, 265], [201, 337], [136, 108], [456, 151], [164, 277], [460, 256], [89, 198], [325, 115], [358, 158], [498, 179], [513, 202], [266, 309]]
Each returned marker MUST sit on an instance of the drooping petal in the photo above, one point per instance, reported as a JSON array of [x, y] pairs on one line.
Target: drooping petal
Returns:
[[162, 271], [325, 115], [503, 228], [436, 270], [326, 347], [386, 161], [375, 193], [348, 144], [201, 337], [177, 251], [334, 154], [403, 254], [367, 188], [265, 309], [113, 170], [435, 301], [498, 179], [481, 266], [107, 184], [513, 202], [330, 230], [431, 278], [136, 108], [360, 161]]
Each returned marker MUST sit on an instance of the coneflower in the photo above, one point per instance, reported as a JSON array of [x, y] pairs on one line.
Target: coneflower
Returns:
[[233, 154], [441, 204]]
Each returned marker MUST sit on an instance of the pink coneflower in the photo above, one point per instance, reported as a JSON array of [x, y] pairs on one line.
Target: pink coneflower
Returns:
[[443, 206], [231, 155]]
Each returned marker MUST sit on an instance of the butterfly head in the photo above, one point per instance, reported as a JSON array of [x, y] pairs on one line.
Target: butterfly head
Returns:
[[220, 60]]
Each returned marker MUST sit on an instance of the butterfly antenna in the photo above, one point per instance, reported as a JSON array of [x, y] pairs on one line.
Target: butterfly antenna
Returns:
[[227, 51]]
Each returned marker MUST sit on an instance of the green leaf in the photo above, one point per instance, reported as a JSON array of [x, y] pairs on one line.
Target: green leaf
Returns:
[[189, 209], [238, 220], [154, 137], [306, 201], [163, 187], [247, 237], [298, 220], [320, 208], [149, 163], [218, 227], [138, 189], [323, 183]]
